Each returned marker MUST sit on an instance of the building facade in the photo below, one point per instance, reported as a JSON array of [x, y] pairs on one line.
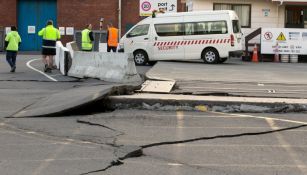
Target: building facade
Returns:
[[254, 14], [69, 15]]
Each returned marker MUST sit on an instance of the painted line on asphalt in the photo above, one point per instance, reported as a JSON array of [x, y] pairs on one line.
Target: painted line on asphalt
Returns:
[[218, 165], [262, 117], [291, 152], [54, 160], [29, 65], [44, 165]]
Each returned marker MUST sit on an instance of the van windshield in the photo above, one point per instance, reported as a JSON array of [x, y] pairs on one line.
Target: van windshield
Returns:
[[236, 26], [138, 31]]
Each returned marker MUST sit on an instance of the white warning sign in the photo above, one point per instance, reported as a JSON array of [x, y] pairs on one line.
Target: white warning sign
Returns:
[[290, 41]]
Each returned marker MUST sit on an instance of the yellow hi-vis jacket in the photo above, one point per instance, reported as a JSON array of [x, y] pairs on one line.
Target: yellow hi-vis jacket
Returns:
[[86, 41]]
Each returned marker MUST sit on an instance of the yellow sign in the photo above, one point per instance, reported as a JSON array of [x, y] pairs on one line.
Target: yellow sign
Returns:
[[281, 37]]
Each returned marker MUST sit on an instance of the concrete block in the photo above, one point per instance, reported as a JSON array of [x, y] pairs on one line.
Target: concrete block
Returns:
[[111, 67], [72, 47], [60, 57], [59, 45]]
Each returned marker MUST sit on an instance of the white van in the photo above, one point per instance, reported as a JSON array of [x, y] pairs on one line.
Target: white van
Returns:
[[209, 35]]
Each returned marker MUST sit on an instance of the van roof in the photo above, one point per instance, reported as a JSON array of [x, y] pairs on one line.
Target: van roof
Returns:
[[215, 12]]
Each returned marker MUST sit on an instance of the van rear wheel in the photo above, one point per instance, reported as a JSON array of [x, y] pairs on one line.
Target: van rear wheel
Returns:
[[210, 56], [140, 57]]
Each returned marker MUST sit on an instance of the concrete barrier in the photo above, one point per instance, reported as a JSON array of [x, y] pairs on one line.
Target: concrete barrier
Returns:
[[62, 58], [72, 47], [57, 56], [112, 67]]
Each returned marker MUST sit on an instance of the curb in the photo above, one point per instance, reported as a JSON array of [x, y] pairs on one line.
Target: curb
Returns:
[[211, 102]]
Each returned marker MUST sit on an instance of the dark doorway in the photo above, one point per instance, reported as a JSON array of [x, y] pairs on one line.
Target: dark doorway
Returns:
[[296, 16]]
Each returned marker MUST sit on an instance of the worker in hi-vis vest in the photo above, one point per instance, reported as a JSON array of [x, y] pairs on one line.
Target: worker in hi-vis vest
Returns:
[[12, 42], [50, 35], [112, 38], [87, 38]]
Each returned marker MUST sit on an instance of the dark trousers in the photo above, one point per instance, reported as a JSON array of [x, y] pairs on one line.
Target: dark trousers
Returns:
[[11, 58], [111, 48], [86, 50]]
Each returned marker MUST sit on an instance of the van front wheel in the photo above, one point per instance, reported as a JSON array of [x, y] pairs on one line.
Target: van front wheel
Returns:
[[210, 56], [140, 57]]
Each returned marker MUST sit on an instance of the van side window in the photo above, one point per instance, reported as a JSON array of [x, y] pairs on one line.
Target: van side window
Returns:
[[138, 31], [206, 28], [190, 28], [236, 26], [176, 29]]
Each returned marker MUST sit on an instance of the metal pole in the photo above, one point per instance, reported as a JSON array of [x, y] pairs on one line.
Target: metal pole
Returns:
[[119, 18]]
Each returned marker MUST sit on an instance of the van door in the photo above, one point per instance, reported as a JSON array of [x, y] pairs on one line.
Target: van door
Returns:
[[168, 38], [201, 34], [192, 38], [137, 38], [238, 35]]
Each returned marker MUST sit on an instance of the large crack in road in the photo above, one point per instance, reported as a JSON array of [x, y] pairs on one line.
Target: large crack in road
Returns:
[[127, 152]]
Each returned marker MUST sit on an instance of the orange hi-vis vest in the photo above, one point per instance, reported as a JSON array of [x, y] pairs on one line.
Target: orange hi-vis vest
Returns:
[[113, 37]]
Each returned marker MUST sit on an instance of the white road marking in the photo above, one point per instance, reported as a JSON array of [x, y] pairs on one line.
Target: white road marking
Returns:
[[29, 65], [218, 165], [291, 152], [265, 118]]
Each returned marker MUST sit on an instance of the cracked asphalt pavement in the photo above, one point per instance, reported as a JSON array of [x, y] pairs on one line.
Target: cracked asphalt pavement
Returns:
[[138, 142], [162, 142]]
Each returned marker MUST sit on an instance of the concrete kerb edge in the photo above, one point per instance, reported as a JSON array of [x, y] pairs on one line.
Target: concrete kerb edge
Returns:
[[115, 102]]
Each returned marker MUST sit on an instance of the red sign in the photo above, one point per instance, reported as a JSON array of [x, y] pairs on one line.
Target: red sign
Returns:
[[146, 6], [268, 35]]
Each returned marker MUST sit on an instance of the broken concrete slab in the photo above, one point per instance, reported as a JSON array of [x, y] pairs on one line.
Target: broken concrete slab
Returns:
[[68, 100], [157, 86]]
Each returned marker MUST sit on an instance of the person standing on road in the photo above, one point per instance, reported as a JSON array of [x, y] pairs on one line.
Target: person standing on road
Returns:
[[87, 38], [50, 35], [112, 38], [12, 42]]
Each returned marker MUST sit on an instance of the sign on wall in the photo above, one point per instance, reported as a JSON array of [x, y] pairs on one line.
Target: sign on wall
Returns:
[[62, 30], [69, 31], [147, 6], [31, 29], [266, 12], [288, 41], [7, 30]]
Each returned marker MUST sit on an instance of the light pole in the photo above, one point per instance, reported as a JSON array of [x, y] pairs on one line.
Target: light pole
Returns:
[[119, 18]]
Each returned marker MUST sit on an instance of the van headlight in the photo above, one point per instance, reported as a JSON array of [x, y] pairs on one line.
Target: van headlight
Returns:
[[121, 46]]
